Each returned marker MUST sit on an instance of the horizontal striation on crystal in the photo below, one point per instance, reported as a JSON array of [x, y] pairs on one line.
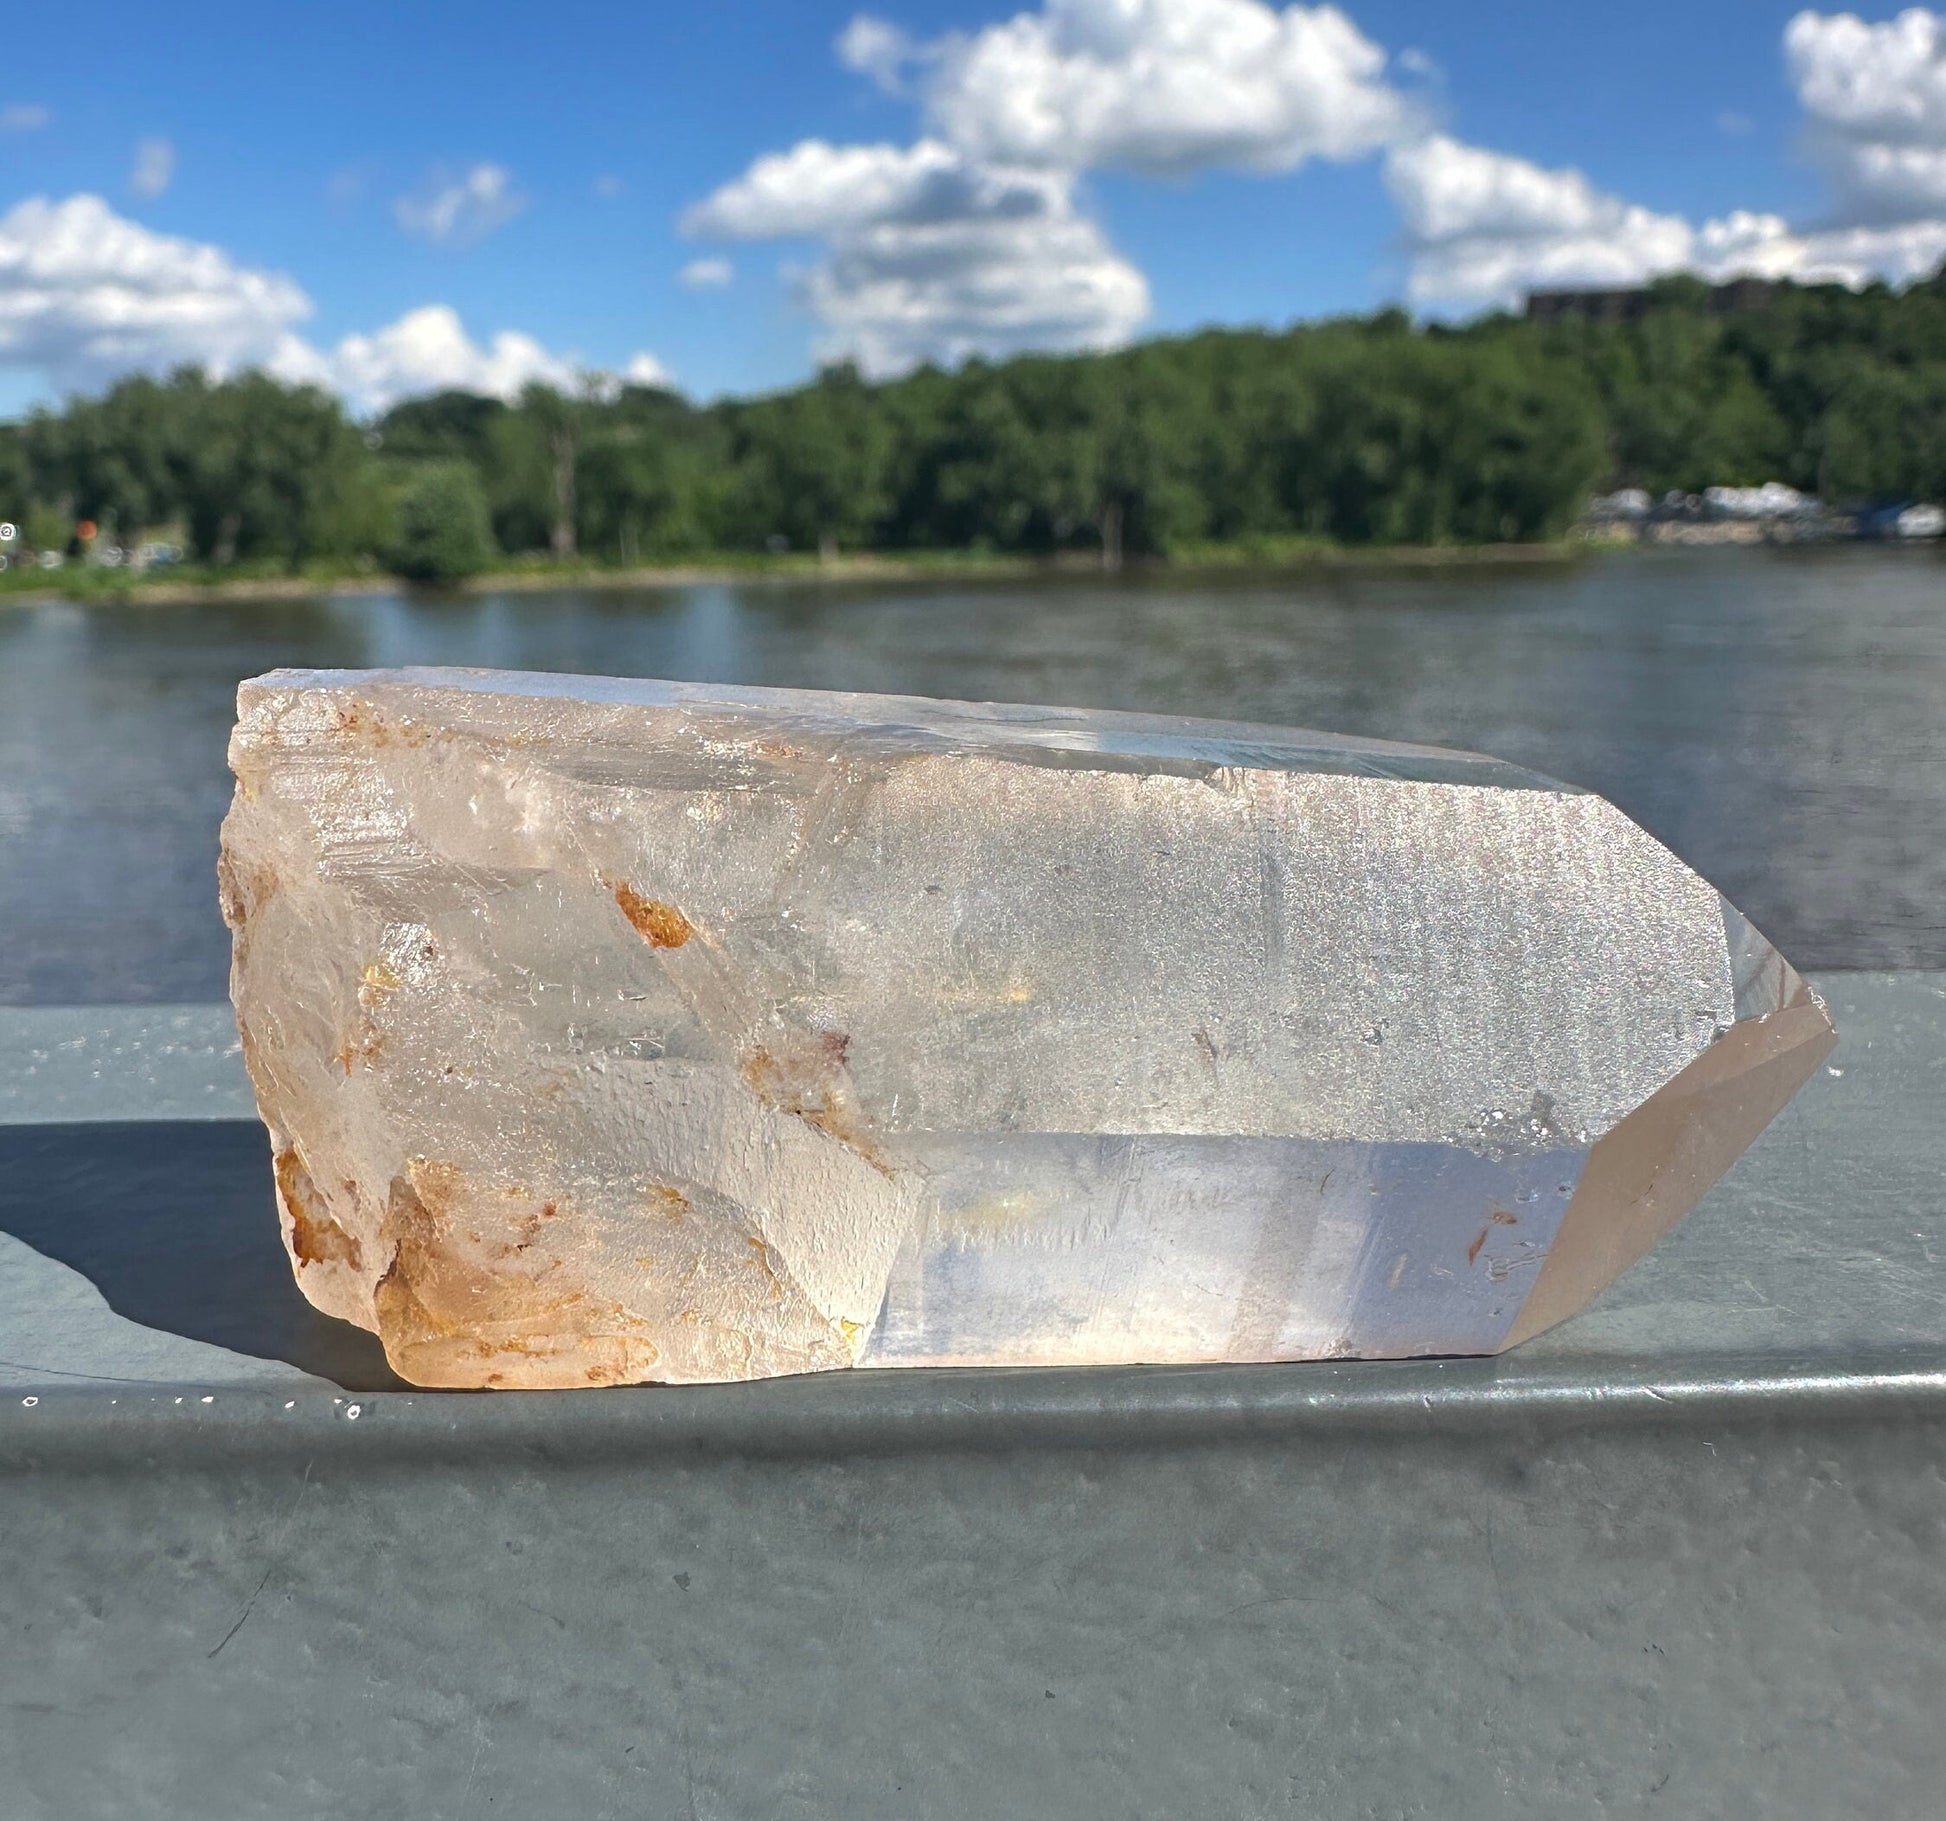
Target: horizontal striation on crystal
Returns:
[[612, 1031]]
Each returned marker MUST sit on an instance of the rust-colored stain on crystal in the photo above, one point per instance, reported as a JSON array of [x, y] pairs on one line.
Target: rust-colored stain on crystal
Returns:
[[447, 1318], [1501, 1218], [316, 1238], [362, 721], [659, 925], [375, 982], [1473, 1251], [242, 889], [803, 1073], [366, 1050], [527, 1229], [761, 1250]]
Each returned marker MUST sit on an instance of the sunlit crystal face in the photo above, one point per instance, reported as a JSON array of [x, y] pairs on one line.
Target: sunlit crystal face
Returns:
[[612, 1031]]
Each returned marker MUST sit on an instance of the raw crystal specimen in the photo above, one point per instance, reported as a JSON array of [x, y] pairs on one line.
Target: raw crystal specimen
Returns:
[[616, 1031]]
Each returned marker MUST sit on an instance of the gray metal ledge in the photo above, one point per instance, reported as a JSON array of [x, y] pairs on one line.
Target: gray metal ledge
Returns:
[[845, 1416]]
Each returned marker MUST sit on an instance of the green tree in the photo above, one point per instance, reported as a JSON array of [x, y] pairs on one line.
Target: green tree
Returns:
[[814, 464], [1367, 430], [443, 534], [449, 425], [530, 464], [648, 473], [555, 421], [262, 468]]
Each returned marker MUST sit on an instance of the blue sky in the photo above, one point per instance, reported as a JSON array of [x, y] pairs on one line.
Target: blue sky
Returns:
[[254, 185]]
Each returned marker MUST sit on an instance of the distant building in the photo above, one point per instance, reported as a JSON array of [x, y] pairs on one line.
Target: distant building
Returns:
[[1899, 521], [1626, 303], [1594, 306], [1771, 514], [1627, 506], [1773, 500]]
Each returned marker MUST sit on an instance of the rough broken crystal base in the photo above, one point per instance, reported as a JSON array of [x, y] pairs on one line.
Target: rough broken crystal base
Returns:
[[619, 1031]]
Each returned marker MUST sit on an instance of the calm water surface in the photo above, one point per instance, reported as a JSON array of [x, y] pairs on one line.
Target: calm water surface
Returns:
[[1779, 718]]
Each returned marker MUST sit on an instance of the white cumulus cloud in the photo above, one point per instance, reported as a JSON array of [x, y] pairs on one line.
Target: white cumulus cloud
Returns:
[[1484, 227], [462, 210], [1165, 86], [1849, 255], [427, 350], [706, 274], [645, 370], [974, 238], [895, 294], [1885, 82], [879, 50], [1874, 98], [24, 117], [818, 188], [155, 165], [87, 295], [933, 256]]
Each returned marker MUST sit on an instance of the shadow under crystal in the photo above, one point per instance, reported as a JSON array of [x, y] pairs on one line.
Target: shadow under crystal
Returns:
[[175, 1223]]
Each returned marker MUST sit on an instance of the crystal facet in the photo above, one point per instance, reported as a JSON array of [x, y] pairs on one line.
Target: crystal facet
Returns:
[[613, 1031]]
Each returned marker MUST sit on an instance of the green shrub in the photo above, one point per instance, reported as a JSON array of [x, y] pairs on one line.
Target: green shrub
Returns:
[[443, 531]]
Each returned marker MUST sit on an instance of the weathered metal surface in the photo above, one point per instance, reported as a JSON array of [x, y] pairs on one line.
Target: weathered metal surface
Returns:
[[64, 1064]]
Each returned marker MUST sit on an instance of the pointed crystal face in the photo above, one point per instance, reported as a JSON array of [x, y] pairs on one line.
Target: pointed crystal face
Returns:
[[619, 1031]]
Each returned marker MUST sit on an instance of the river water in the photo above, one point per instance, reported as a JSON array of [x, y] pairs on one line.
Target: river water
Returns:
[[1777, 717]]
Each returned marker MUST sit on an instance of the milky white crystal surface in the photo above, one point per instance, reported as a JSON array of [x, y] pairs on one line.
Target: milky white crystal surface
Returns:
[[611, 1031]]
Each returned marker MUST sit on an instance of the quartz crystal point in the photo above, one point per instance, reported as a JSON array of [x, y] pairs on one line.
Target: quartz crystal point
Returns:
[[614, 1031]]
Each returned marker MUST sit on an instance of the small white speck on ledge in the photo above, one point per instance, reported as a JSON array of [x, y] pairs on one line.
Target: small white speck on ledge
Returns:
[[1835, 1074], [209, 1400], [30, 1402], [351, 1413]]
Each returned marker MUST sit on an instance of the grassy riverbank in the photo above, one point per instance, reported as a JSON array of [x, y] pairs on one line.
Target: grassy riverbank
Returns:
[[192, 584]]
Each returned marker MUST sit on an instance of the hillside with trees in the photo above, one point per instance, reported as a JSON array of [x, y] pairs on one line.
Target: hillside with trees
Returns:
[[1367, 431]]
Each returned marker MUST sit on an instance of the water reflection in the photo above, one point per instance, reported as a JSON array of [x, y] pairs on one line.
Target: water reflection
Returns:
[[1774, 716]]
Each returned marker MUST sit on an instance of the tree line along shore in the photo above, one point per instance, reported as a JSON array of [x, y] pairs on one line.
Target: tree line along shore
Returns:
[[1363, 434]]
